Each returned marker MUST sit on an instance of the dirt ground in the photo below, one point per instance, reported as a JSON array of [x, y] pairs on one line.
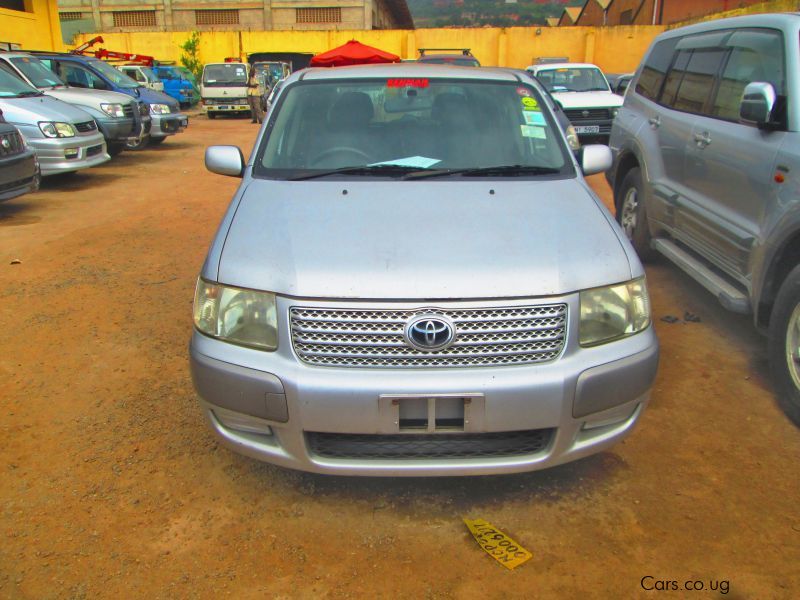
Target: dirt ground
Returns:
[[111, 485]]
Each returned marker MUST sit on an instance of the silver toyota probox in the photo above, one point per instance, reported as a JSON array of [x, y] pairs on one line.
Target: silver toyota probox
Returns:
[[415, 279]]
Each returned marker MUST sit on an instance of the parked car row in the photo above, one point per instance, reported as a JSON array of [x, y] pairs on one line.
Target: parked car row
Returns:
[[73, 112]]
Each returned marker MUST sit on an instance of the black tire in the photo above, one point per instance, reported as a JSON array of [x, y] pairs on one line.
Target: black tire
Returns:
[[212, 115], [157, 141], [631, 213], [114, 148], [784, 332], [137, 145]]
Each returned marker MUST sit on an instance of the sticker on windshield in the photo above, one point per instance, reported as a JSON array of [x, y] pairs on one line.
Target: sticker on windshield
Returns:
[[419, 162], [529, 103], [523, 91], [533, 131], [533, 117]]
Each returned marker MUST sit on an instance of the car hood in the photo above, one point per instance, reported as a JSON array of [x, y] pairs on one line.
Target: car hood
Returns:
[[27, 111], [154, 97], [415, 240], [86, 97], [588, 99]]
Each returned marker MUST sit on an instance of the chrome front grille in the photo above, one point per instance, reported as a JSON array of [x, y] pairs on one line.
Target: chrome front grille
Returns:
[[484, 337], [11, 144], [575, 115], [86, 127], [127, 110]]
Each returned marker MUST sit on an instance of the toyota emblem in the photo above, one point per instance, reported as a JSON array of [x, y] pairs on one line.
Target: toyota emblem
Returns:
[[429, 333], [585, 114]]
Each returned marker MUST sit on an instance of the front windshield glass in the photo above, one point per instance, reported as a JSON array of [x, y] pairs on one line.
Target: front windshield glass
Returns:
[[186, 73], [227, 74], [118, 78], [580, 79], [11, 86], [38, 74], [412, 125]]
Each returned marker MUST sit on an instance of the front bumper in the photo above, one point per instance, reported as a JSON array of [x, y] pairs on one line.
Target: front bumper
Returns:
[[227, 108], [582, 402], [117, 130], [18, 175], [84, 150], [165, 125]]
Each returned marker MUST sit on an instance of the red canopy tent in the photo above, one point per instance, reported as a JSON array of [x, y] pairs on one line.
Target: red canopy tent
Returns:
[[353, 53]]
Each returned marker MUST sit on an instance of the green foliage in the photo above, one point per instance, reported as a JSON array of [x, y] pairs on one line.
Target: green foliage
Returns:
[[191, 55]]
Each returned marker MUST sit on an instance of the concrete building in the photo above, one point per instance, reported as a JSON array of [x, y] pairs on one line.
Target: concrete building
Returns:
[[29, 25], [103, 16], [596, 13]]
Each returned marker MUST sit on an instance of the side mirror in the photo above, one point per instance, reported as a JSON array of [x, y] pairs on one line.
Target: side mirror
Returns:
[[595, 158], [757, 103], [225, 160]]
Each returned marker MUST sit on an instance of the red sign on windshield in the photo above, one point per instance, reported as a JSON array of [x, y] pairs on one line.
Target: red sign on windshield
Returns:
[[399, 83]]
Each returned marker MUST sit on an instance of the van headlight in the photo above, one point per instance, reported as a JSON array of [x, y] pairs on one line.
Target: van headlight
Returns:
[[614, 312], [236, 315], [56, 129], [614, 113], [113, 110]]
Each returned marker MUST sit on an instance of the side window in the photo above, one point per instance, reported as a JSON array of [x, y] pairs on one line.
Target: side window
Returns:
[[755, 56], [674, 78], [654, 69], [698, 80], [78, 76]]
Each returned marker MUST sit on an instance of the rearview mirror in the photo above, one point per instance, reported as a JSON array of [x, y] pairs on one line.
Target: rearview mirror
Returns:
[[595, 158], [225, 160], [757, 103]]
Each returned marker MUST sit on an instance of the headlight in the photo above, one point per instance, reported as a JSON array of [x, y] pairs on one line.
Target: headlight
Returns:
[[614, 312], [56, 129], [572, 138], [113, 110], [236, 315], [159, 109]]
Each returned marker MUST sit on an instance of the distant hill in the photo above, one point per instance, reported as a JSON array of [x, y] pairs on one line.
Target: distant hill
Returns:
[[481, 13]]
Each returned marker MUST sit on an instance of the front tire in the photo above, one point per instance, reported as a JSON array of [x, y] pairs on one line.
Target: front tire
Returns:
[[137, 144], [212, 115], [114, 148], [784, 345], [631, 213], [157, 141]]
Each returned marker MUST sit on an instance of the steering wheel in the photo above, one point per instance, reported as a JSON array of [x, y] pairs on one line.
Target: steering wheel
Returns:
[[325, 154]]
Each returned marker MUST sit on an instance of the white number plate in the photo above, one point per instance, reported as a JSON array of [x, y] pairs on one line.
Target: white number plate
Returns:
[[587, 129]]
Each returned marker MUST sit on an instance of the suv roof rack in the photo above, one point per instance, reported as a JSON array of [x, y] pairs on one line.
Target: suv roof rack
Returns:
[[464, 51]]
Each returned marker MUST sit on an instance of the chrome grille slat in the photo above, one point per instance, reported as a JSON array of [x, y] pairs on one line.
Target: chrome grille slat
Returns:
[[375, 338]]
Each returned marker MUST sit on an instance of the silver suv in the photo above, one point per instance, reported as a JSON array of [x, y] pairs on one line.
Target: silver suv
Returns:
[[413, 278], [707, 157]]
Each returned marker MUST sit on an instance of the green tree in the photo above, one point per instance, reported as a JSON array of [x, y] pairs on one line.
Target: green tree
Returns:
[[191, 55]]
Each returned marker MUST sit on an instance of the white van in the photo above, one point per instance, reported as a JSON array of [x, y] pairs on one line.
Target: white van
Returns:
[[143, 75], [223, 88]]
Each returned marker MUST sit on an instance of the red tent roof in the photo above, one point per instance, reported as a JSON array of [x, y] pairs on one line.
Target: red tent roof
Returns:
[[353, 53]]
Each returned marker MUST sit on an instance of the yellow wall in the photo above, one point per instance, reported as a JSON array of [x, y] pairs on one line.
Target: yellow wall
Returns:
[[38, 28], [763, 7], [614, 49]]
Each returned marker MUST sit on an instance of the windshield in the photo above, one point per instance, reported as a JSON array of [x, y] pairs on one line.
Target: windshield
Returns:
[[404, 126], [116, 77], [38, 74], [149, 74], [227, 74], [580, 79], [186, 73], [11, 86]]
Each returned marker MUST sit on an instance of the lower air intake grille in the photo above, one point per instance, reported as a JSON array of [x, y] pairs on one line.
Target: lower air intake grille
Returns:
[[428, 446]]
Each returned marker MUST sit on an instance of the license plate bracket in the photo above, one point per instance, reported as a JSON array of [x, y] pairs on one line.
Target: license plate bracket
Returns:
[[432, 413], [587, 129]]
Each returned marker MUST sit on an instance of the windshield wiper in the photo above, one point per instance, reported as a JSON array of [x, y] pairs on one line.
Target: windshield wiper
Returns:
[[29, 94], [360, 170], [510, 170]]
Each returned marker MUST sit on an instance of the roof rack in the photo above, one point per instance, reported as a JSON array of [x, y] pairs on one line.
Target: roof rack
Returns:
[[464, 51]]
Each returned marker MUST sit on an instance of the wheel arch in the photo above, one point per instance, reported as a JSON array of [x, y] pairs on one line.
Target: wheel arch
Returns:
[[627, 161], [785, 258]]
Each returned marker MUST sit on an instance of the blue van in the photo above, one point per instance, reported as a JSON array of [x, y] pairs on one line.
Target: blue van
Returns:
[[90, 72], [177, 84]]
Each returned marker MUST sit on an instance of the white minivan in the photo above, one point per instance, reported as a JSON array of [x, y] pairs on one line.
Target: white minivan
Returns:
[[223, 89]]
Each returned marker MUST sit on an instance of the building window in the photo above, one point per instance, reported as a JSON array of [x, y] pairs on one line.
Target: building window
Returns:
[[216, 17], [13, 5], [319, 15], [134, 18], [70, 16]]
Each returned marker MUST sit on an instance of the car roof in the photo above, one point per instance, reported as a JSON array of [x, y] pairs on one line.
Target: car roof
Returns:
[[406, 70], [15, 54], [566, 65], [785, 21]]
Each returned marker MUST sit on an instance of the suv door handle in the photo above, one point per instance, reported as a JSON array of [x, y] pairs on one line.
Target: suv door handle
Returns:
[[702, 139], [655, 122]]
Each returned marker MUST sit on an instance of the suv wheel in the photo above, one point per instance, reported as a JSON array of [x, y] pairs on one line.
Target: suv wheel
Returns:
[[784, 345], [137, 144], [631, 213]]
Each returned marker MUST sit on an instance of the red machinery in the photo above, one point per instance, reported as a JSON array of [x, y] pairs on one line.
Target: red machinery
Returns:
[[84, 48]]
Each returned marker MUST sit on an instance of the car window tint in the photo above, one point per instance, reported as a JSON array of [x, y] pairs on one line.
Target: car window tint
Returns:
[[674, 78], [654, 69], [77, 76], [698, 80], [754, 56]]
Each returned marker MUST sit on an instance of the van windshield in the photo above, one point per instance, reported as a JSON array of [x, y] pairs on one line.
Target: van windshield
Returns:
[[401, 126], [579, 79], [227, 74], [38, 74], [116, 77]]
